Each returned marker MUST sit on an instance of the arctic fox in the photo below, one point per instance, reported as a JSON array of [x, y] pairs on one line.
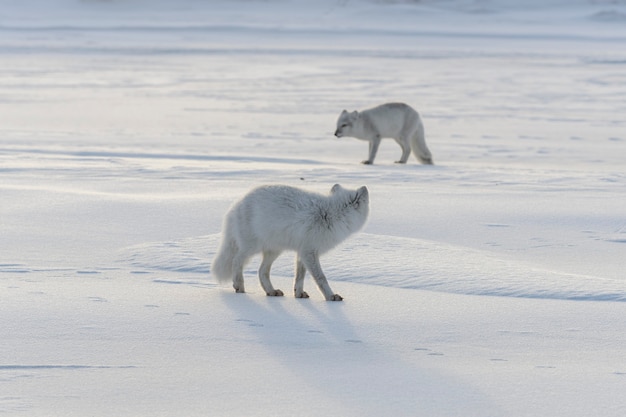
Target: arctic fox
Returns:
[[392, 120], [274, 218]]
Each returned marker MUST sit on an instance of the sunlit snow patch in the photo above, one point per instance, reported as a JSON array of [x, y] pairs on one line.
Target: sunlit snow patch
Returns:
[[398, 262]]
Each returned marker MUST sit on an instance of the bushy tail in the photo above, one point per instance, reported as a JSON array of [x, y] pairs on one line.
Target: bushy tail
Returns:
[[222, 267], [418, 146]]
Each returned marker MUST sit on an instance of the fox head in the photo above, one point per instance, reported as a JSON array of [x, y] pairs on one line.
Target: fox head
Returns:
[[345, 123], [353, 201]]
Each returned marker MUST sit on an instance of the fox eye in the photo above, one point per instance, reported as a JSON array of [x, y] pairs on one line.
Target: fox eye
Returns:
[[344, 125]]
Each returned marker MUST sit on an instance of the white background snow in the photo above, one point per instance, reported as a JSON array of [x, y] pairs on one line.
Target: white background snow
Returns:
[[489, 284]]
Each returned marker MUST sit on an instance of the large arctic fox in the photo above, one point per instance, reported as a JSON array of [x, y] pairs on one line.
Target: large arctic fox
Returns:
[[274, 218], [392, 120]]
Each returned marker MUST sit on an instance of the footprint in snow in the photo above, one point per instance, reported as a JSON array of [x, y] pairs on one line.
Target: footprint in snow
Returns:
[[429, 352], [87, 272], [250, 322]]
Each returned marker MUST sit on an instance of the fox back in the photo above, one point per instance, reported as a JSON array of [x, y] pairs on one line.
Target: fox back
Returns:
[[286, 218]]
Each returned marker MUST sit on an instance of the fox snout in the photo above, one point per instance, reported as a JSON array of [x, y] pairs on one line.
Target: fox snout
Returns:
[[337, 133]]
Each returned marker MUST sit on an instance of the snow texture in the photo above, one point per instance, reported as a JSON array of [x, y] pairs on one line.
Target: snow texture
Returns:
[[489, 284]]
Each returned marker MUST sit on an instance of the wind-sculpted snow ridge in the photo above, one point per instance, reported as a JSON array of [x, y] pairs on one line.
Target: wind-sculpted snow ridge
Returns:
[[188, 255], [400, 263]]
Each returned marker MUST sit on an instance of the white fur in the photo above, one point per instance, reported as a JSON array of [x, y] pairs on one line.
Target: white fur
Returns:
[[398, 121], [274, 218]]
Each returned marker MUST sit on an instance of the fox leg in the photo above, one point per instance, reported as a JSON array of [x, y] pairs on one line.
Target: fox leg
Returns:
[[264, 273], [312, 263], [373, 150], [238, 262], [406, 149], [298, 287]]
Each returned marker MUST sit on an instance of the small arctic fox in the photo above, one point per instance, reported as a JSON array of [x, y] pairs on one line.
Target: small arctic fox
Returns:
[[274, 218], [392, 120]]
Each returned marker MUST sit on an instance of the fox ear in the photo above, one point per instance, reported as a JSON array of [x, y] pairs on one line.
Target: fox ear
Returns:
[[354, 115], [344, 112], [360, 197], [335, 188]]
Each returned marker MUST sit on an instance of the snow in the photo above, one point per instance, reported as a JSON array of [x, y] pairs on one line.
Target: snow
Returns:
[[489, 284]]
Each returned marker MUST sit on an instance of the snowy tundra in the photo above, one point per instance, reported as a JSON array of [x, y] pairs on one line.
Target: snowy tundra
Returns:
[[490, 284]]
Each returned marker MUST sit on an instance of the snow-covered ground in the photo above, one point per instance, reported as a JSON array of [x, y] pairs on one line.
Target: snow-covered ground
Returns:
[[489, 284]]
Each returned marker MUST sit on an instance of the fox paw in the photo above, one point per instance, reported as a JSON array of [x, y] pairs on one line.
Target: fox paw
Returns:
[[367, 162], [335, 297], [400, 162], [303, 294], [275, 293]]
